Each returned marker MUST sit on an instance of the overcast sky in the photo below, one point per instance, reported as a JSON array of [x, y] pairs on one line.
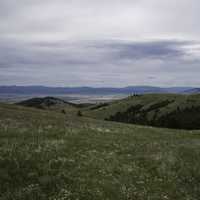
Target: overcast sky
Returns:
[[100, 43]]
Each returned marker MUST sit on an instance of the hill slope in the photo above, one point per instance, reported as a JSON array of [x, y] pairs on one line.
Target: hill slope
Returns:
[[162, 110], [48, 155], [49, 103]]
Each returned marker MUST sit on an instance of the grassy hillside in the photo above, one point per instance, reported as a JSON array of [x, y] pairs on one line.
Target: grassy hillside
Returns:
[[49, 155], [50, 103], [162, 110]]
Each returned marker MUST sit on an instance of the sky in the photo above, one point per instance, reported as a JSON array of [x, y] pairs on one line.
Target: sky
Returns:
[[107, 43]]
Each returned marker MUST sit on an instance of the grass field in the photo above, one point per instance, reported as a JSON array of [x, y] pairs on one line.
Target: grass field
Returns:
[[49, 155]]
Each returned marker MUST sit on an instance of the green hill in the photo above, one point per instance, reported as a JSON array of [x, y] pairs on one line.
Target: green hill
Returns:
[[49, 155], [161, 110], [50, 103]]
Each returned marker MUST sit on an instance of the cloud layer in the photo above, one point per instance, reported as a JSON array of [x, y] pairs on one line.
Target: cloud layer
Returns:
[[99, 43]]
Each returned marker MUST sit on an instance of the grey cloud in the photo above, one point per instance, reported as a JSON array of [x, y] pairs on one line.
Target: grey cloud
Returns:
[[83, 62], [103, 42], [144, 50], [26, 19], [88, 53]]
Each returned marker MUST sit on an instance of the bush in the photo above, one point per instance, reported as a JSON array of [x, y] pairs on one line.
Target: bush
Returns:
[[63, 111], [79, 113]]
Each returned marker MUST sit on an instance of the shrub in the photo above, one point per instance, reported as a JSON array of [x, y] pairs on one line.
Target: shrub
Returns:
[[79, 113]]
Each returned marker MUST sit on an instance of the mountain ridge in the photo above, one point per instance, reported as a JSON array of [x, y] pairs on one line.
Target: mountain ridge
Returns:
[[24, 90]]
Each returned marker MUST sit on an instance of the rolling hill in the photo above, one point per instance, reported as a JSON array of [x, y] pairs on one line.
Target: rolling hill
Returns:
[[45, 154], [50, 103], [161, 110], [43, 102]]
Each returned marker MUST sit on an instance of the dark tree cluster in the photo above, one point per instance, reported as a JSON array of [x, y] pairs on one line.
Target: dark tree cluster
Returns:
[[99, 106], [79, 114], [179, 118]]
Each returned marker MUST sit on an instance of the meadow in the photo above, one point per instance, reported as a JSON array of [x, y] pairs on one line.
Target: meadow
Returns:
[[50, 155]]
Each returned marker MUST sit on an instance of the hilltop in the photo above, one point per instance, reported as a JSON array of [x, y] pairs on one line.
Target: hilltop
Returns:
[[50, 103], [43, 102]]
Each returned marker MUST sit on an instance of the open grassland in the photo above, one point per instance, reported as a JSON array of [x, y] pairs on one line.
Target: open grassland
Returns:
[[49, 155]]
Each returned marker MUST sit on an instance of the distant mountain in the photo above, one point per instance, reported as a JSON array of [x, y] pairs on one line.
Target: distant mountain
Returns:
[[192, 91], [42, 90]]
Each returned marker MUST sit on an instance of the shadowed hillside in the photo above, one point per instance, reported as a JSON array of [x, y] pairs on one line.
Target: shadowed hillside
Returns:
[[45, 102], [161, 110], [50, 103]]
